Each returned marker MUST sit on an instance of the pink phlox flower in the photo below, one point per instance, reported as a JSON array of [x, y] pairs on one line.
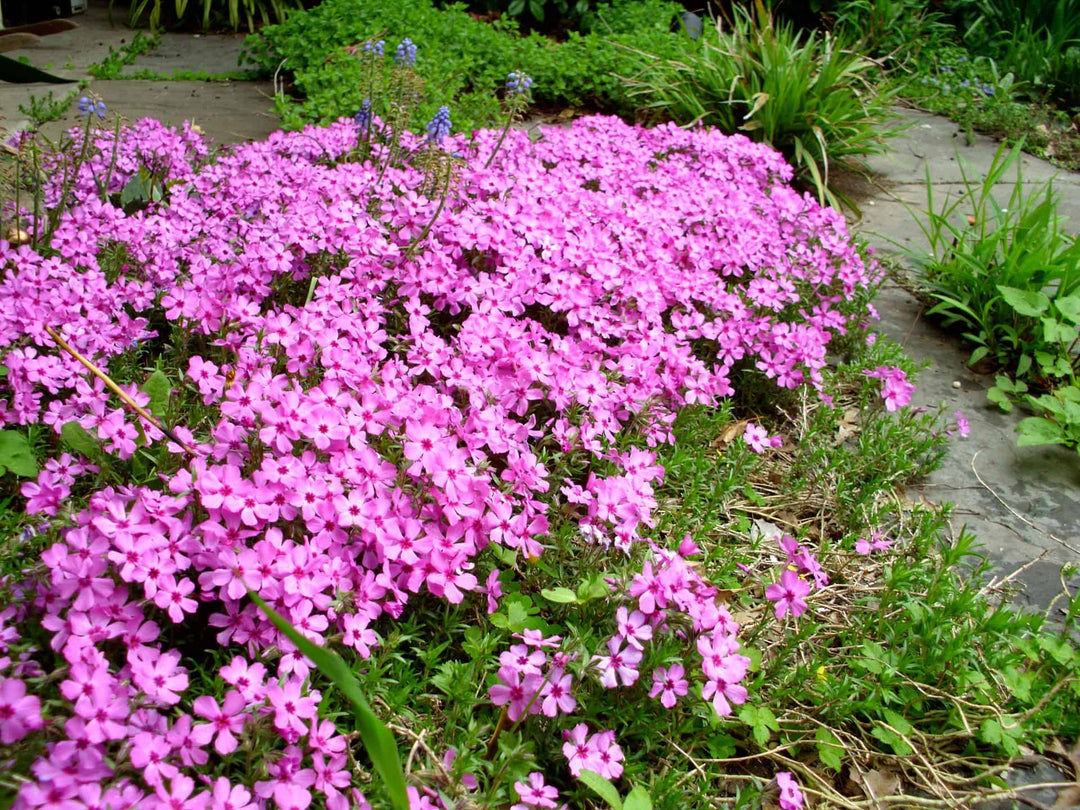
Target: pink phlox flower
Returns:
[[609, 755], [226, 721], [536, 638], [158, 674], [536, 793], [556, 694], [579, 749], [620, 665], [791, 797], [517, 690], [492, 590], [226, 796], [633, 627], [20, 713], [291, 707], [895, 388], [877, 542], [179, 795], [324, 738], [669, 684], [188, 748], [150, 753], [755, 437], [172, 596], [523, 659], [789, 594], [247, 678]]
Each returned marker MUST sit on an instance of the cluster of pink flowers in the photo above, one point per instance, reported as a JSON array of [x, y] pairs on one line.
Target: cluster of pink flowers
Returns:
[[791, 591], [370, 419], [895, 388]]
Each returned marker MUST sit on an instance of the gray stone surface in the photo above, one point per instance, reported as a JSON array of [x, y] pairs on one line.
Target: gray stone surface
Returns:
[[227, 111], [1040, 484]]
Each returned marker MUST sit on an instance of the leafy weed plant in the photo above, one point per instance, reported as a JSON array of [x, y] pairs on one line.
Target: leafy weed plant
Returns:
[[987, 258]]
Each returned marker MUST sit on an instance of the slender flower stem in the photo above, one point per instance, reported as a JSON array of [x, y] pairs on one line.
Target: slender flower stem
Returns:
[[127, 400]]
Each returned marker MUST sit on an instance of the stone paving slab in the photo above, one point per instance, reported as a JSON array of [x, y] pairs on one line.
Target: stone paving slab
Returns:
[[228, 112], [1040, 484]]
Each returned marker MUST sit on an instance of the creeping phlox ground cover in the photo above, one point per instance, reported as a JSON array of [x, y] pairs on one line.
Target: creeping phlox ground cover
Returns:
[[376, 403]]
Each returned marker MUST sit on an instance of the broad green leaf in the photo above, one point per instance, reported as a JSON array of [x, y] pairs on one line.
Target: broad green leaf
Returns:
[[830, 752], [593, 588], [1035, 431], [1019, 683], [1054, 331], [79, 439], [158, 388], [1023, 366], [562, 596], [638, 799], [897, 721], [891, 739], [1069, 306], [1060, 650], [1031, 303], [376, 737], [761, 721], [16, 456], [602, 788], [978, 355]]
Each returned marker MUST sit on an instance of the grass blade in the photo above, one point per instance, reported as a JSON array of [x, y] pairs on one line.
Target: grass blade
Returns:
[[376, 737]]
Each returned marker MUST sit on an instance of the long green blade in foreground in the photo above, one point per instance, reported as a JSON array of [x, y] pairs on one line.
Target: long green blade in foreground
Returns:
[[377, 738]]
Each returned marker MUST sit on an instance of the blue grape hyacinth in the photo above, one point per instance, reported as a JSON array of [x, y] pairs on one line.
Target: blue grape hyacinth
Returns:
[[439, 126], [405, 54], [518, 83], [89, 106]]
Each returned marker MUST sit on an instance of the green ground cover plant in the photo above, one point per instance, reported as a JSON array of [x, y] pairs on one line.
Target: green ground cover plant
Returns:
[[811, 96], [569, 520], [463, 61]]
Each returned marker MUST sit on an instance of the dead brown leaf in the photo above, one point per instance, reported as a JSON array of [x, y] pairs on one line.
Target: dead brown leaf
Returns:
[[848, 425], [877, 783], [729, 434]]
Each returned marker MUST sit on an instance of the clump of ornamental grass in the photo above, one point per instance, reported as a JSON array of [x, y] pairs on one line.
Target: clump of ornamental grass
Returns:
[[812, 97]]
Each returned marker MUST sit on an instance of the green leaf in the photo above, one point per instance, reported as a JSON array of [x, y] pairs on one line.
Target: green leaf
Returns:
[[1031, 303], [897, 721], [1019, 683], [602, 788], [158, 388], [1023, 366], [16, 456], [1069, 306], [562, 596], [978, 355], [76, 437], [1054, 331], [761, 721], [830, 752], [638, 799], [1060, 650], [376, 737], [891, 739], [594, 587], [1035, 430]]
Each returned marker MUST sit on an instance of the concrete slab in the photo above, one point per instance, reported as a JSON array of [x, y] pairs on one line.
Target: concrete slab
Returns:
[[1026, 507], [226, 111]]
